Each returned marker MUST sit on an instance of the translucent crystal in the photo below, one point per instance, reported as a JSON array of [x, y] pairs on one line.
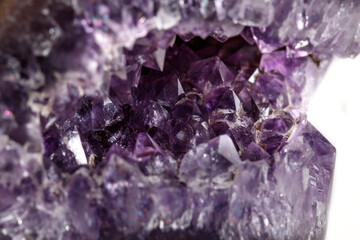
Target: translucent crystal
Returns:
[[166, 119]]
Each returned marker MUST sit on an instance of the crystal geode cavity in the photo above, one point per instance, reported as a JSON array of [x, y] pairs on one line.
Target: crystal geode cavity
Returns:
[[166, 119]]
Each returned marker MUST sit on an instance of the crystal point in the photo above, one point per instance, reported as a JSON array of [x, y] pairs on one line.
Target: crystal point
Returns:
[[162, 119]]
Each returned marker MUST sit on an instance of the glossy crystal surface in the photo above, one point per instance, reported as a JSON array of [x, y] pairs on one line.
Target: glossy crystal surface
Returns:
[[166, 119]]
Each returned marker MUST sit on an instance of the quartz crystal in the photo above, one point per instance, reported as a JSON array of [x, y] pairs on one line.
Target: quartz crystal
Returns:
[[166, 119]]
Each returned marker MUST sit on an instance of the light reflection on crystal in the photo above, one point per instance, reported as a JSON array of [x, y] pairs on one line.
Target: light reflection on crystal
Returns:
[[166, 119]]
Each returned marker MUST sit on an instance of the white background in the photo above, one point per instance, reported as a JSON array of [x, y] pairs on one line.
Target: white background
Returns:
[[335, 111]]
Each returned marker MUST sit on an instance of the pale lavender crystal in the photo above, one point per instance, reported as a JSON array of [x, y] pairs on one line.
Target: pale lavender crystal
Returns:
[[151, 158], [81, 212], [210, 160], [265, 199], [208, 170], [166, 119], [122, 186]]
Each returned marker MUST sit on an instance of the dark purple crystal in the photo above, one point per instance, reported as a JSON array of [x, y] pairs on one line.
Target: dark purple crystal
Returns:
[[164, 119]]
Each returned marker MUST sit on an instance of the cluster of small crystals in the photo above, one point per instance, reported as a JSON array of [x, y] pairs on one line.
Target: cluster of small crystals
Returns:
[[166, 119]]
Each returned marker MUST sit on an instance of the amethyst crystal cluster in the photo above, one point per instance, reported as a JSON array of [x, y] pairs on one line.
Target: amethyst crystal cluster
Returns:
[[166, 119]]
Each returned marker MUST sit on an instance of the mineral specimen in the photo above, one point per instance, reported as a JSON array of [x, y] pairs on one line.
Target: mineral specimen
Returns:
[[166, 119]]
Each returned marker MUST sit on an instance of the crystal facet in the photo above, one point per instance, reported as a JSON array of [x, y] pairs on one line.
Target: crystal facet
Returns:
[[166, 119]]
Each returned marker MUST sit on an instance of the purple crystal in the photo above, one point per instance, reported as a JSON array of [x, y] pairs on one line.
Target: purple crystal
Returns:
[[82, 214], [166, 120], [209, 74], [152, 159], [209, 160], [255, 153]]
